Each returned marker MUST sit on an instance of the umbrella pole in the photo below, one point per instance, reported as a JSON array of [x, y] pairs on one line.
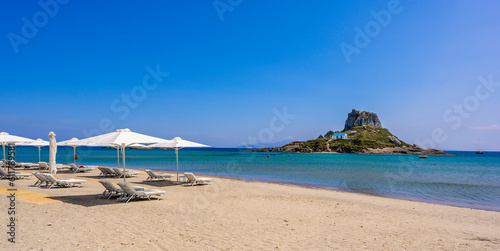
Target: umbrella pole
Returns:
[[118, 155], [177, 160], [39, 149], [74, 155], [123, 160]]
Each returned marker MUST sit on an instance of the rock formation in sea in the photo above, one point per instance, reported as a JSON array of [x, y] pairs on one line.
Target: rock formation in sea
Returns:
[[361, 118], [365, 135]]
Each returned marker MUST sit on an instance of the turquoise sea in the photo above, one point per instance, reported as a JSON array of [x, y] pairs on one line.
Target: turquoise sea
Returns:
[[464, 179]]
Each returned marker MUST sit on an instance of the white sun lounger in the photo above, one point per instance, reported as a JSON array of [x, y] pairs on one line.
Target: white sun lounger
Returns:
[[43, 165], [131, 193], [113, 190], [4, 174], [63, 182], [74, 168], [103, 171], [191, 178], [127, 173], [41, 179], [152, 176], [107, 172]]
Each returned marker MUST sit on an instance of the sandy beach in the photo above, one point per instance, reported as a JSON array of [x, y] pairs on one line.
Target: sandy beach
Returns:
[[232, 214]]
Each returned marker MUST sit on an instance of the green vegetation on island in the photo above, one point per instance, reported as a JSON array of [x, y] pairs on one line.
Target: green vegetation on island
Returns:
[[363, 134], [359, 138]]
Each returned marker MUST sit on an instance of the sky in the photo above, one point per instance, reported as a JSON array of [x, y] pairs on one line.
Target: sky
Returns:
[[236, 72]]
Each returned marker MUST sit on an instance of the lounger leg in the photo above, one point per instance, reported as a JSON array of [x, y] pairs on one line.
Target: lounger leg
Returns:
[[132, 196], [119, 198]]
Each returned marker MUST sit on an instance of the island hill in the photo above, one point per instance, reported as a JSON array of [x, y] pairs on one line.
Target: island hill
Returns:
[[363, 133]]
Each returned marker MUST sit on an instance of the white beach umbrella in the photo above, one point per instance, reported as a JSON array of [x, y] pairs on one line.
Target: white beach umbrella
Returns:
[[177, 143], [52, 153], [121, 138], [73, 142], [6, 139], [38, 143], [136, 145]]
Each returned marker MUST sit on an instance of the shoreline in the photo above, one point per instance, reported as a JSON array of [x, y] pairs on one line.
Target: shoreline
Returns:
[[236, 214], [342, 191], [326, 188]]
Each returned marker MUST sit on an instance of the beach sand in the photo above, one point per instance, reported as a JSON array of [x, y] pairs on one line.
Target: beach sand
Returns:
[[235, 214]]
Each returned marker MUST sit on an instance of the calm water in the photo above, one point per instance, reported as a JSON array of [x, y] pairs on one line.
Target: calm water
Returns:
[[464, 179]]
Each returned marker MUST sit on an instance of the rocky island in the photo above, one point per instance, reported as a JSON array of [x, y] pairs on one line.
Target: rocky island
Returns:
[[362, 134]]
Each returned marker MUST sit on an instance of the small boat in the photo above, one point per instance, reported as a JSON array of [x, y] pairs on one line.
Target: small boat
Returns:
[[422, 156], [479, 152]]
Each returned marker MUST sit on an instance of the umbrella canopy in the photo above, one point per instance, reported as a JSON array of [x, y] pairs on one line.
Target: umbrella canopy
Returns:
[[52, 153], [121, 138], [73, 142], [177, 143], [136, 145], [38, 143], [6, 139]]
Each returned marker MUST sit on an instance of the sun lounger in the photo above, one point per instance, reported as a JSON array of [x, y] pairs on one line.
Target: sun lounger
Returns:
[[103, 172], [7, 175], [63, 166], [63, 182], [125, 173], [113, 190], [131, 193], [13, 163], [29, 165], [43, 165], [152, 176], [25, 164], [107, 172], [191, 178], [74, 168], [41, 179]]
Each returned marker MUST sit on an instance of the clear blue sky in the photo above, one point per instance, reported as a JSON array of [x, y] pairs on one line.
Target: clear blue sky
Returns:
[[229, 70]]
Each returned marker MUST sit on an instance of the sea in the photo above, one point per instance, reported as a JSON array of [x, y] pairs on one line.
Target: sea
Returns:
[[462, 179]]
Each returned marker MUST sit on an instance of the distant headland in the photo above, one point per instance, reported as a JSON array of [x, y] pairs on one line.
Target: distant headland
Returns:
[[362, 134]]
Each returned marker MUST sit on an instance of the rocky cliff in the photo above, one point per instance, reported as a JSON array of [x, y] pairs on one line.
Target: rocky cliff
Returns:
[[361, 118], [365, 135]]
